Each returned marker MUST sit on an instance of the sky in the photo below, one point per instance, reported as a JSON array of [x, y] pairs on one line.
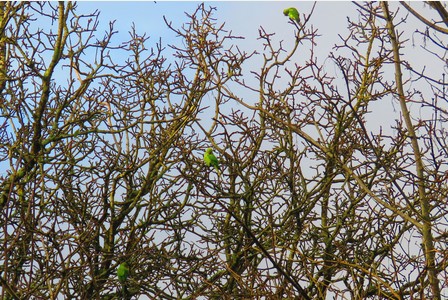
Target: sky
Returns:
[[242, 17]]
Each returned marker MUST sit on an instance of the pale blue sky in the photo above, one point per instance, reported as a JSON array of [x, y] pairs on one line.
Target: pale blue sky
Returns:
[[243, 18]]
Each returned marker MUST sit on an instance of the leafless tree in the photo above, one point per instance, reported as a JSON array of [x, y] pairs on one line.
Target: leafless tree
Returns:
[[101, 161]]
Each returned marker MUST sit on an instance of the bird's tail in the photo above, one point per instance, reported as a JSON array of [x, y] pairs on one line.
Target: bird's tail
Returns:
[[124, 291], [218, 170]]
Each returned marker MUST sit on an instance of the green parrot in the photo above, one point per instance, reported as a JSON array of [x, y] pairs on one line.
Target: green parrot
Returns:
[[211, 160], [292, 13], [123, 272]]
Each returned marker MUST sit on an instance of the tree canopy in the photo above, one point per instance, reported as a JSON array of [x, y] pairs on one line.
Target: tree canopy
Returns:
[[102, 159]]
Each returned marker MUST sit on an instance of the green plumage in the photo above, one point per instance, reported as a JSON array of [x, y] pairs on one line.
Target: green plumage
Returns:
[[211, 160], [123, 272], [292, 13]]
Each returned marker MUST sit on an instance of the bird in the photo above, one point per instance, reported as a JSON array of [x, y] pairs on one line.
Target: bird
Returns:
[[211, 160], [292, 13], [123, 272]]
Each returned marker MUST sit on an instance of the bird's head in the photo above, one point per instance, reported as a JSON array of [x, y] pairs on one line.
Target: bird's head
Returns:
[[209, 150], [286, 11]]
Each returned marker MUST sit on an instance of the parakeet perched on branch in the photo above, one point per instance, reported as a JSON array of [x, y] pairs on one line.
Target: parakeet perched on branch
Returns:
[[123, 272], [211, 160], [292, 13]]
